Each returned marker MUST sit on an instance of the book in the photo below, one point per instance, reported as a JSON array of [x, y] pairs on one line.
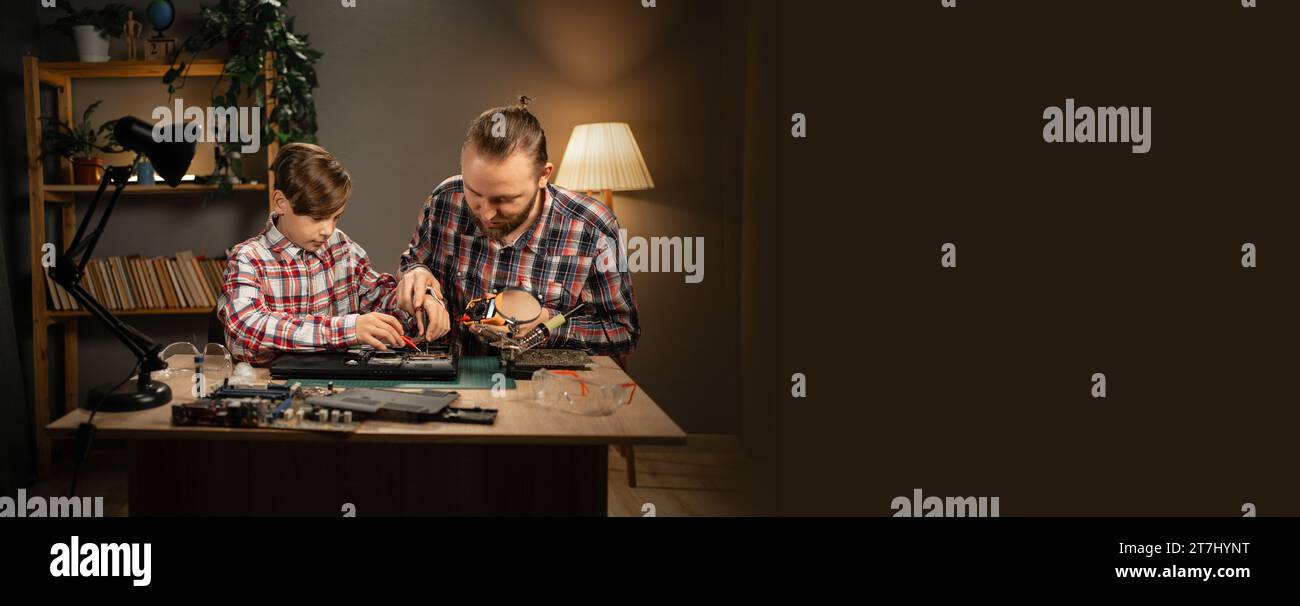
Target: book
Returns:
[[145, 289], [110, 275], [89, 284], [133, 272], [186, 260], [181, 300], [164, 283], [123, 285], [214, 275], [125, 276], [133, 288], [205, 267], [155, 282], [97, 287], [109, 286], [200, 284], [56, 301], [109, 294], [151, 269], [151, 284], [187, 270], [134, 282], [208, 289]]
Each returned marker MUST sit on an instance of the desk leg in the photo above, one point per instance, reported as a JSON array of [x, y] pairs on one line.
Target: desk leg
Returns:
[[208, 477], [629, 455]]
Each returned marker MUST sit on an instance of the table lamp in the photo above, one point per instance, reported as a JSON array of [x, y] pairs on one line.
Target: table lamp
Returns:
[[604, 158], [170, 159]]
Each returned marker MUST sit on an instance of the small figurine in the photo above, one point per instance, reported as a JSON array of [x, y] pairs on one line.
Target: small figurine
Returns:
[[131, 31]]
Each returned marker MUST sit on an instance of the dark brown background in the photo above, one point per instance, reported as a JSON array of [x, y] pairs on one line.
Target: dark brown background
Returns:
[[924, 128]]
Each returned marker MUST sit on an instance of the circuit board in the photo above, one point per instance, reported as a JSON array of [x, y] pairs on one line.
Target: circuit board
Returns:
[[553, 358], [271, 407]]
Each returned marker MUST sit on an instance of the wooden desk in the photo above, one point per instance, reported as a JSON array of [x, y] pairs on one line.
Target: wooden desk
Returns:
[[532, 461]]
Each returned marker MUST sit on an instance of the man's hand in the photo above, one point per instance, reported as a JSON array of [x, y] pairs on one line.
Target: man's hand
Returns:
[[439, 322], [379, 330], [430, 311], [412, 289]]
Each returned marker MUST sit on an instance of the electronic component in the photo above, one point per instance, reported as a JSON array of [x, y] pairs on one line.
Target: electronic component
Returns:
[[384, 358], [525, 363], [427, 405], [270, 407], [434, 362], [566, 359]]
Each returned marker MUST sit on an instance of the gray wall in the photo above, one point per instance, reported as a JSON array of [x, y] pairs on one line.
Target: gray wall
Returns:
[[400, 81]]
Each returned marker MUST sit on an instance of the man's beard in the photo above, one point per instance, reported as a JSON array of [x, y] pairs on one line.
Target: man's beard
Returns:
[[511, 223]]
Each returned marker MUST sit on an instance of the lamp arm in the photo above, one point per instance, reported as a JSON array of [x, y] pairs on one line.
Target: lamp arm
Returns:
[[69, 269], [84, 249]]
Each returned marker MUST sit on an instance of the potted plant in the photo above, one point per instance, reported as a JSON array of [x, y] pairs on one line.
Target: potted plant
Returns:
[[79, 143], [91, 28], [250, 30]]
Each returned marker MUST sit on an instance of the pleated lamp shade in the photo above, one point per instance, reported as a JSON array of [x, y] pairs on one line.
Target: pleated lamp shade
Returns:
[[603, 157]]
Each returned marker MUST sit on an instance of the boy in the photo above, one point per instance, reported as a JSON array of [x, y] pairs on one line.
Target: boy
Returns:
[[301, 284]]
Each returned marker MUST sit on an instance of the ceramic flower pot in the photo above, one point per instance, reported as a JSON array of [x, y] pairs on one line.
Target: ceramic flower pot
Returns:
[[87, 171], [92, 45]]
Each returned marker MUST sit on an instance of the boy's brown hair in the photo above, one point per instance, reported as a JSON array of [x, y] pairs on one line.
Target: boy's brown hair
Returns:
[[315, 183]]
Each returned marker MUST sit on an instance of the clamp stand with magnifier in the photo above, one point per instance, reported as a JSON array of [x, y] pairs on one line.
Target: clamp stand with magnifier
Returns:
[[510, 309]]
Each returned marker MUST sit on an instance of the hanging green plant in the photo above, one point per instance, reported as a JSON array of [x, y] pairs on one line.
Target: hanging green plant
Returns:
[[252, 29]]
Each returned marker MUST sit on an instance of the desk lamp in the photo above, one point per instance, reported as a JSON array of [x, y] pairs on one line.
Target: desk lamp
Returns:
[[603, 157], [170, 159]]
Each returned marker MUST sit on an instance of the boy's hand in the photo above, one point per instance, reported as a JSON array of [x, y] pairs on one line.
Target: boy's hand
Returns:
[[379, 330]]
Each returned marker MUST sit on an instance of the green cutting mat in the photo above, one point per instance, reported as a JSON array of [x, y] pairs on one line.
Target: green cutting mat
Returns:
[[475, 373]]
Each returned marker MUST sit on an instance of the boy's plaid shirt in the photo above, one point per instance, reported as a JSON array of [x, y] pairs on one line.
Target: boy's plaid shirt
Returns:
[[556, 258], [278, 297]]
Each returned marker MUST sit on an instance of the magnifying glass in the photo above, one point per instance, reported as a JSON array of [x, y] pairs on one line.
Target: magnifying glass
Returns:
[[517, 306], [511, 307]]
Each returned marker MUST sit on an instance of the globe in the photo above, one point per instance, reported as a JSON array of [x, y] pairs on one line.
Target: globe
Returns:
[[161, 14]]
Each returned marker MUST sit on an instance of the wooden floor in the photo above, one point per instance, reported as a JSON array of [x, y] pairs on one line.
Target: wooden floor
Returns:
[[703, 478]]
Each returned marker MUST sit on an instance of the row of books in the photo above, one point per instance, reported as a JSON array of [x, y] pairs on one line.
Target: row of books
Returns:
[[126, 283]]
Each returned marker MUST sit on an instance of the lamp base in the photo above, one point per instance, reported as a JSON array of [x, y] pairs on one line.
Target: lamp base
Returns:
[[128, 397]]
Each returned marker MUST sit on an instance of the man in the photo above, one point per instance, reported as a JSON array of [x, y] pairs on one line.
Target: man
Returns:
[[501, 223]]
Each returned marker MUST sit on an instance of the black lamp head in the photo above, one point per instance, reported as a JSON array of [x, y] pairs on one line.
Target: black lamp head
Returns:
[[170, 157]]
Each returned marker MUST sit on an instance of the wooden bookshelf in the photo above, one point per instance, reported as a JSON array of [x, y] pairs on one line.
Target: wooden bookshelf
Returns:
[[58, 73], [62, 199]]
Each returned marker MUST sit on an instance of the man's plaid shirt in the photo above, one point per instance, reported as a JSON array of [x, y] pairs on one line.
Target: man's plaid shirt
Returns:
[[278, 297], [556, 258]]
